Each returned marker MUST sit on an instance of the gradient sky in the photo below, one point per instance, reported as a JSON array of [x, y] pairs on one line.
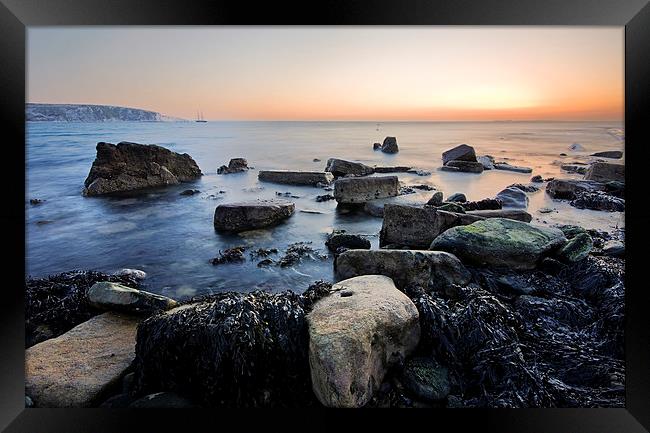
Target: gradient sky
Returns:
[[335, 73]]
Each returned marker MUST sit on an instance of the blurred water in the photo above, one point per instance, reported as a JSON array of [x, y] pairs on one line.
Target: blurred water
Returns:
[[171, 237]]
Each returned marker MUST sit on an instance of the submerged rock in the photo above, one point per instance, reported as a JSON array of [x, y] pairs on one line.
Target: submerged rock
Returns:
[[134, 273], [117, 297], [524, 188], [313, 178], [513, 197], [462, 152], [325, 197], [426, 378], [567, 189], [77, 368], [341, 167], [36, 201], [431, 270], [361, 190], [576, 147], [457, 197], [340, 239], [356, 333], [190, 192], [515, 168], [238, 217], [500, 242], [236, 165], [614, 154], [230, 255], [598, 200], [466, 166], [575, 168], [606, 171], [132, 166], [485, 204], [393, 169]]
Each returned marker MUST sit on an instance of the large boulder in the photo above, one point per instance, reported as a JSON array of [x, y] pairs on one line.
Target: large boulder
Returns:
[[606, 171], [568, 189], [238, 217], [341, 167], [500, 242], [77, 368], [365, 326], [466, 166], [390, 145], [416, 228], [462, 152], [132, 166], [431, 270], [361, 190], [110, 296], [512, 197], [313, 178]]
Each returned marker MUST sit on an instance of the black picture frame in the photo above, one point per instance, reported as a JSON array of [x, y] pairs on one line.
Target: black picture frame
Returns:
[[17, 15]]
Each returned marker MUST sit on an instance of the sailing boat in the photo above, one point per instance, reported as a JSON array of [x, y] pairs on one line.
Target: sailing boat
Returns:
[[199, 117]]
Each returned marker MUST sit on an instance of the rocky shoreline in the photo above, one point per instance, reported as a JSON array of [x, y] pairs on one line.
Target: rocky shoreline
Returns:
[[465, 304]]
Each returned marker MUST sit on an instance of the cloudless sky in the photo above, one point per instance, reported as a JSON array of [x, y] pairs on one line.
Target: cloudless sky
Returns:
[[332, 73]]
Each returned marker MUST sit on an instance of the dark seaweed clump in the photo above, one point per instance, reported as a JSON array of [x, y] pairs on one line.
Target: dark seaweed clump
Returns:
[[231, 349], [57, 303], [559, 346]]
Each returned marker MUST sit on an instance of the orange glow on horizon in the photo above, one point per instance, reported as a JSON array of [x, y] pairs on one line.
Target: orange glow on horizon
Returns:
[[335, 73]]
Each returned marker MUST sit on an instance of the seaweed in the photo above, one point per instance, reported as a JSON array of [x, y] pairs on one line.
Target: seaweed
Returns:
[[57, 303], [230, 255], [231, 349]]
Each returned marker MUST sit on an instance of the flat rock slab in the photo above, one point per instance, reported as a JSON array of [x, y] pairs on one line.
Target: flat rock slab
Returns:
[[427, 269], [606, 171], [361, 190], [242, 216], [110, 296], [500, 242], [356, 333], [376, 207], [132, 166], [515, 168], [289, 177], [76, 368]]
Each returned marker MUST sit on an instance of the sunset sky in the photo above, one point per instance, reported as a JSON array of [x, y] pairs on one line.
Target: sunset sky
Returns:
[[335, 73]]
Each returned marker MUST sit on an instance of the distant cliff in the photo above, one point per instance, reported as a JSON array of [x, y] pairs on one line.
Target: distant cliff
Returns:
[[91, 113]]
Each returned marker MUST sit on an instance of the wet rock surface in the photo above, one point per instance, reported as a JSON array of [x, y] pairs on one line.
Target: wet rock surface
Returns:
[[77, 368], [433, 270], [341, 167], [513, 197], [606, 171], [237, 217], [236, 165], [56, 304], [500, 242], [132, 166], [356, 333], [465, 166], [340, 239], [361, 190], [462, 152], [312, 178], [110, 296]]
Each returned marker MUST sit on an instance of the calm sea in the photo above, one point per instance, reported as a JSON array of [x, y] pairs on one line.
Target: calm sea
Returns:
[[171, 237]]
